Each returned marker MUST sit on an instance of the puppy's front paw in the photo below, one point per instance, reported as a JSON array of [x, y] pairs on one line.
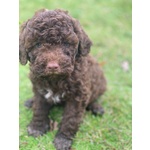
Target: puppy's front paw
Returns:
[[62, 143], [35, 130]]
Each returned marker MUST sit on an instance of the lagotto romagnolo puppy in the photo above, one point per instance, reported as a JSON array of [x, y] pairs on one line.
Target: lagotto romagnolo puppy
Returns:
[[61, 70]]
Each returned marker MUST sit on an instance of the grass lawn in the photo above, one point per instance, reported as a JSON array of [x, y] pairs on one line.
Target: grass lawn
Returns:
[[108, 24]]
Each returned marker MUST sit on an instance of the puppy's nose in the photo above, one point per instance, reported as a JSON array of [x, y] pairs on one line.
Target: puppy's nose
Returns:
[[52, 66]]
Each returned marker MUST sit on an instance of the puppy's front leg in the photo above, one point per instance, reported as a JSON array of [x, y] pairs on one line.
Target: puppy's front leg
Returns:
[[72, 117], [40, 121]]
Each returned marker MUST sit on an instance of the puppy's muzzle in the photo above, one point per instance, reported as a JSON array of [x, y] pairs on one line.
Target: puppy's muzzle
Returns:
[[53, 67]]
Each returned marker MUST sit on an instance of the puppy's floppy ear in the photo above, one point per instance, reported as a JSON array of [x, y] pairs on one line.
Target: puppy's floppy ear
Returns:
[[84, 42], [22, 50]]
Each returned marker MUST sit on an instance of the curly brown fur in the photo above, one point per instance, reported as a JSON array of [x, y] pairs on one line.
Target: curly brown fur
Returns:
[[61, 70]]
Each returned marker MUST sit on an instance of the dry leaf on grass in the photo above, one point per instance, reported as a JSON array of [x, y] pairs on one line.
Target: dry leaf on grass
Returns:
[[53, 125], [102, 63]]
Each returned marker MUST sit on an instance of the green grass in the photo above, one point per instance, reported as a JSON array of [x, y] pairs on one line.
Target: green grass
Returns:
[[108, 24]]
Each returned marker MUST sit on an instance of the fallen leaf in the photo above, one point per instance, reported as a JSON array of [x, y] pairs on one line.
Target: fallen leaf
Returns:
[[53, 125], [102, 63]]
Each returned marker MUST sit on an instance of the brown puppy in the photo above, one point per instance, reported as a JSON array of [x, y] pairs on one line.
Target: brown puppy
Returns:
[[61, 70]]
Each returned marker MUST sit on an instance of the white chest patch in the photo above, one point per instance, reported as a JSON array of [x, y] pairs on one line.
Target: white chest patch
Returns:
[[56, 98], [48, 94]]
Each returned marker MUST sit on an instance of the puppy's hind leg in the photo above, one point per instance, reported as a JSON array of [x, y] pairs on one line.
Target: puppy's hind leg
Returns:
[[95, 108]]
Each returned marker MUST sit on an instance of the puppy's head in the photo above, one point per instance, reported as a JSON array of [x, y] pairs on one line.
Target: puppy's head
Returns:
[[51, 41]]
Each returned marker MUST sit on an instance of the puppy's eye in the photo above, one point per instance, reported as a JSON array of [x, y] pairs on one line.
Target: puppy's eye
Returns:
[[66, 44], [38, 45], [67, 53]]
